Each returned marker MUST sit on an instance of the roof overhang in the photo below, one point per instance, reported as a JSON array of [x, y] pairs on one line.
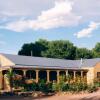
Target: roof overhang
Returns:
[[47, 67]]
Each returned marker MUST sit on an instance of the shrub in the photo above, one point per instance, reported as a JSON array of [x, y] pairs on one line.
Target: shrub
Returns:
[[65, 87], [49, 87], [78, 87], [30, 87], [45, 87], [74, 86], [17, 83], [42, 85], [55, 87], [66, 84], [97, 82], [91, 88]]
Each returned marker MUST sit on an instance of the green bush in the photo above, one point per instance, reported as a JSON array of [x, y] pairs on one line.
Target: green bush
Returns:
[[66, 84], [65, 87], [97, 82], [91, 88], [17, 83], [42, 85], [45, 87], [49, 87], [76, 87], [55, 87], [30, 87]]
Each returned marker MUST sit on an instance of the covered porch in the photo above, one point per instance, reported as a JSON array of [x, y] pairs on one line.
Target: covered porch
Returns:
[[37, 74]]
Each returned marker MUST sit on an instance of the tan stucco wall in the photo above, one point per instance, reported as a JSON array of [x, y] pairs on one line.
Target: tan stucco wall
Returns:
[[1, 80], [5, 62], [96, 69], [90, 74]]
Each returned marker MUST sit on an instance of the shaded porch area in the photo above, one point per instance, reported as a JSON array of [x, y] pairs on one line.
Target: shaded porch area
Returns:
[[49, 75]]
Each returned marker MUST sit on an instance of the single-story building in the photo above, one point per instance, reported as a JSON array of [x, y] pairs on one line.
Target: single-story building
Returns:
[[47, 68]]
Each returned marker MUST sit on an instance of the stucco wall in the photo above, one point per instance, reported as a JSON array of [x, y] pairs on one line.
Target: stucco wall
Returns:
[[1, 80], [96, 69], [5, 62], [90, 74]]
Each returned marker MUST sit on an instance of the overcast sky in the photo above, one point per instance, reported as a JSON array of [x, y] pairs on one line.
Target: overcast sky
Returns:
[[24, 21]]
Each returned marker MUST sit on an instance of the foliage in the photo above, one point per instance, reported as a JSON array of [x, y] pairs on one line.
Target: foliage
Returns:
[[96, 50], [18, 83], [78, 86], [34, 49], [91, 88], [10, 75], [73, 86], [97, 82], [84, 53], [30, 87], [65, 84], [45, 87], [58, 49], [41, 86]]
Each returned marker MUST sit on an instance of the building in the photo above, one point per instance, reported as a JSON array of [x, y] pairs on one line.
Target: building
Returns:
[[47, 68]]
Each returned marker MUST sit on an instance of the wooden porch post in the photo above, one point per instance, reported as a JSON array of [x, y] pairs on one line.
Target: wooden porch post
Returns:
[[37, 76], [24, 73], [58, 76], [81, 74], [48, 76], [66, 73], [74, 75]]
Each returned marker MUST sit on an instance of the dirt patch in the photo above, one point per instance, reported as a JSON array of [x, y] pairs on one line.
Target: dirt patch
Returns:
[[90, 96]]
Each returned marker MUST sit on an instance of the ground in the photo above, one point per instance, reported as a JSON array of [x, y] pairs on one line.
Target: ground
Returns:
[[91, 96]]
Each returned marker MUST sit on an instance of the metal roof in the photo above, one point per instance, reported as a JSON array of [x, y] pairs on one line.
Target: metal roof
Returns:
[[90, 62], [50, 62]]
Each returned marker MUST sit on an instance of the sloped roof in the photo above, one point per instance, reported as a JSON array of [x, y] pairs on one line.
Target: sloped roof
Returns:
[[50, 62], [90, 62]]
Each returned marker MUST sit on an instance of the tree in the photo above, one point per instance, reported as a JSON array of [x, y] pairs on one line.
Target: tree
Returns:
[[96, 50], [41, 45], [34, 48], [60, 49], [26, 49], [83, 53]]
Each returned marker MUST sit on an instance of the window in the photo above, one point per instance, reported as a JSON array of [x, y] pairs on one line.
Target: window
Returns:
[[98, 74]]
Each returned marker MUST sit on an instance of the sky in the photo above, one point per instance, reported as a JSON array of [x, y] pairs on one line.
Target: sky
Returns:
[[25, 21]]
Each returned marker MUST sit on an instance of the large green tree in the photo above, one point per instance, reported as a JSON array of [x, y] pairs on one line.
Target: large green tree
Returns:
[[26, 49], [60, 49], [83, 53], [34, 49], [96, 50]]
